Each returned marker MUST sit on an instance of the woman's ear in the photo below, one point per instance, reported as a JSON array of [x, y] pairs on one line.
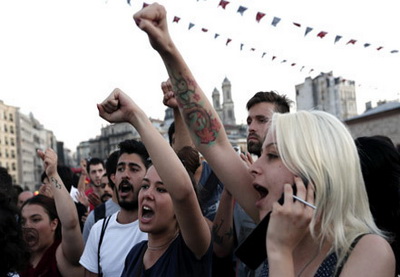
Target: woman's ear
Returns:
[[53, 224]]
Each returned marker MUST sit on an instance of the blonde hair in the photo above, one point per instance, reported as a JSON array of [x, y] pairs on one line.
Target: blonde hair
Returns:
[[318, 147]]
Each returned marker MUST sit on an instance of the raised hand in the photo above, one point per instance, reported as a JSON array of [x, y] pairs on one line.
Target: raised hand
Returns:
[[117, 107], [169, 95], [49, 158], [152, 20]]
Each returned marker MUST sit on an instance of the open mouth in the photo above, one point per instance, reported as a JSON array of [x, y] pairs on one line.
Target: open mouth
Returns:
[[125, 186], [31, 236], [263, 192], [147, 212]]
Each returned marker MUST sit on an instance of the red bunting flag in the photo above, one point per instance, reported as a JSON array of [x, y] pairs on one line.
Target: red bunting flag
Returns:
[[263, 54], [145, 5], [274, 57], [227, 41], [176, 19], [379, 48], [223, 4], [293, 64], [296, 24], [352, 41], [204, 30], [259, 16], [322, 34], [252, 49]]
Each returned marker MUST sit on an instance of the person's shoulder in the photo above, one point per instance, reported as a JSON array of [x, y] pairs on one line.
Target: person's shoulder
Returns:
[[371, 253]]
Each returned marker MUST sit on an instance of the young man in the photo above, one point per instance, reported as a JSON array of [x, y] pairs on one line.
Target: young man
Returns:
[[119, 232], [111, 205]]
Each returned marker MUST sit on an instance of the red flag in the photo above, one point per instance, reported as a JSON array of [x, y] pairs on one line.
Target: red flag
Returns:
[[293, 64], [274, 57], [227, 41], [259, 16], [379, 48], [252, 49], [223, 4], [321, 34], [204, 30], [352, 41], [297, 24], [176, 19]]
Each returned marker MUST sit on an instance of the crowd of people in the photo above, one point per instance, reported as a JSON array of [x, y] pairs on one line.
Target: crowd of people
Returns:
[[330, 204]]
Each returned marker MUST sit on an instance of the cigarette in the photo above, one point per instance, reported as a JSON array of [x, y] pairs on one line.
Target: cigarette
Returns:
[[304, 202]]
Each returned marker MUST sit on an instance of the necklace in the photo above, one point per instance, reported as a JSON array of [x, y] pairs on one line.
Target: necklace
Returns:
[[154, 248]]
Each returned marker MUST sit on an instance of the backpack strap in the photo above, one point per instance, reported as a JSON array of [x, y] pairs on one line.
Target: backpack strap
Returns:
[[99, 212], [103, 230]]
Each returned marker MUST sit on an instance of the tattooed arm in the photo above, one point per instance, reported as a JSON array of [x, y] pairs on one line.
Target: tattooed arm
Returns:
[[71, 247], [222, 229], [205, 127], [182, 136]]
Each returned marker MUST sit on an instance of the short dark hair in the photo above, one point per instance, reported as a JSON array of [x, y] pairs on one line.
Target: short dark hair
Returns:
[[93, 161], [171, 132], [190, 158], [131, 146], [281, 102], [111, 166], [6, 183]]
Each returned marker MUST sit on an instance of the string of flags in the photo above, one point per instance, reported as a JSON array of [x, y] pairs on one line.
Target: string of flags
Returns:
[[260, 16]]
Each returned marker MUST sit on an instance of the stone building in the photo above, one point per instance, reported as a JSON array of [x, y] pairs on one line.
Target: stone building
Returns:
[[325, 92], [8, 140], [226, 110], [381, 120]]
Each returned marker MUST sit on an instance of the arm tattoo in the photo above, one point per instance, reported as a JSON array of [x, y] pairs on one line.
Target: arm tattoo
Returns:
[[55, 182], [201, 121], [218, 239]]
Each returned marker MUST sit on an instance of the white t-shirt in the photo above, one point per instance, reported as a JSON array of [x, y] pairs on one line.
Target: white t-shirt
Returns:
[[117, 242]]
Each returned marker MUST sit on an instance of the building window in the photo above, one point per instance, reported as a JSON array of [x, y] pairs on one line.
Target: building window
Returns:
[[11, 117], [13, 154], [5, 128], [12, 142], [13, 167], [11, 129]]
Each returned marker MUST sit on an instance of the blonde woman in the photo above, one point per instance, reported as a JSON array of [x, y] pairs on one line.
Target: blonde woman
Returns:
[[314, 146]]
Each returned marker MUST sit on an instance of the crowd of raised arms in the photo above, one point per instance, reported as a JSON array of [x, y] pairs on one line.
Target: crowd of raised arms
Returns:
[[305, 199]]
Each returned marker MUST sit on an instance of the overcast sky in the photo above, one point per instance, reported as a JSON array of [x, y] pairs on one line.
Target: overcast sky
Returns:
[[59, 58]]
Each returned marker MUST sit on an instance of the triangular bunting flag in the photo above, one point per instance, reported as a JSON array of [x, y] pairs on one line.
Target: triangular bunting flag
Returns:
[[252, 49], [311, 70], [293, 64], [394, 51], [283, 61], [259, 16], [223, 4], [274, 57], [297, 24], [129, 2], [241, 10], [191, 25], [241, 46], [308, 29], [379, 48], [366, 45], [352, 41], [322, 34], [227, 41], [302, 68], [275, 21], [263, 54], [145, 4], [337, 38], [216, 35], [204, 30], [176, 19]]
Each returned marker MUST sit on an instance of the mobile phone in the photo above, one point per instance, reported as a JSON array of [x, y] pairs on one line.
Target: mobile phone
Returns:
[[252, 251]]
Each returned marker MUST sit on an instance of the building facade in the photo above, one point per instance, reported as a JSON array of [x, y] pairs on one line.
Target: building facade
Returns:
[[382, 120], [325, 92], [8, 140]]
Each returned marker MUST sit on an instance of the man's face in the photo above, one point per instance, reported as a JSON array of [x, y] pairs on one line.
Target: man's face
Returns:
[[258, 123], [128, 179], [96, 171]]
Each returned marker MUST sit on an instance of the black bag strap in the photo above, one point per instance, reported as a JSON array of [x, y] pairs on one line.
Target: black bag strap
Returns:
[[353, 244], [100, 212], [103, 230]]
